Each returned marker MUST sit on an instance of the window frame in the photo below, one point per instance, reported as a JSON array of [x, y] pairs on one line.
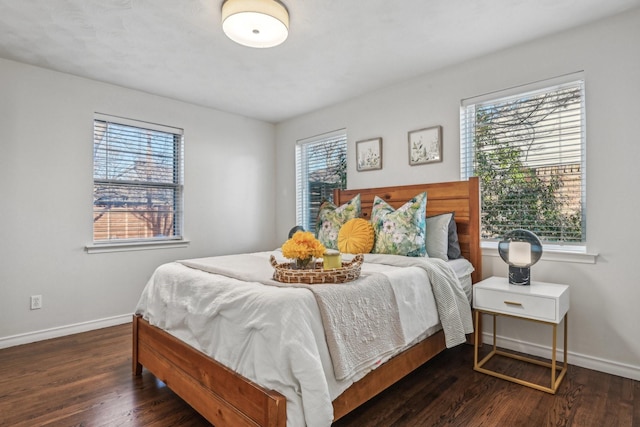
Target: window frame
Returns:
[[175, 187], [566, 251], [304, 206]]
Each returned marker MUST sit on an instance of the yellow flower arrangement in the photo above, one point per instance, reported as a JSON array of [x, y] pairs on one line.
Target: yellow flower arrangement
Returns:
[[303, 247]]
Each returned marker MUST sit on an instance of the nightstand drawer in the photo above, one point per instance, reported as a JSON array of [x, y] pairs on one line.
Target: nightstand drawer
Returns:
[[529, 306], [547, 302]]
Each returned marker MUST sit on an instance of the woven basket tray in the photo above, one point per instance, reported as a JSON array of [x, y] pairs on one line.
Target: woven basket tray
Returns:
[[317, 275]]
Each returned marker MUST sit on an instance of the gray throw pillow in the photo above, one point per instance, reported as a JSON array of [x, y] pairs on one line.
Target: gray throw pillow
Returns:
[[438, 236]]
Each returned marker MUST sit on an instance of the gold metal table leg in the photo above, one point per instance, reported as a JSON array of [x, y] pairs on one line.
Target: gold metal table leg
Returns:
[[556, 378]]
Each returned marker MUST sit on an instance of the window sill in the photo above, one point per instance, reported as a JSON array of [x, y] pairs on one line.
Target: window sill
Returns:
[[550, 253], [135, 246]]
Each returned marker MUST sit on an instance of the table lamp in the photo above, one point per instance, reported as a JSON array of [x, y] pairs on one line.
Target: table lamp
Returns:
[[294, 230], [520, 249]]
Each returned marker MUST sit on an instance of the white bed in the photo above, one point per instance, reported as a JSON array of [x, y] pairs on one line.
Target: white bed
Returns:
[[274, 335], [272, 338]]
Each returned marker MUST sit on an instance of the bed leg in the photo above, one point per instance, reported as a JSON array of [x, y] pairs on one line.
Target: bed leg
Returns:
[[137, 367]]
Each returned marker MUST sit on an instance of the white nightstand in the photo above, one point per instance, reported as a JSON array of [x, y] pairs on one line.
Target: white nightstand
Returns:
[[540, 302]]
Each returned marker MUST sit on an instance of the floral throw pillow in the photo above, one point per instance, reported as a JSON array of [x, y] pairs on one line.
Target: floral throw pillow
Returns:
[[331, 218], [401, 231]]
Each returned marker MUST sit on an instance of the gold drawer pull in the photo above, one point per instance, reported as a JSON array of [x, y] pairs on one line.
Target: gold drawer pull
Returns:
[[519, 304]]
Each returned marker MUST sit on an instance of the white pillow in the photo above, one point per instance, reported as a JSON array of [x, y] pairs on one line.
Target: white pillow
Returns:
[[438, 236]]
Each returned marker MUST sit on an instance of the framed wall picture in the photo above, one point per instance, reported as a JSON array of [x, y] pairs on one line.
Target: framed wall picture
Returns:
[[369, 154], [425, 146]]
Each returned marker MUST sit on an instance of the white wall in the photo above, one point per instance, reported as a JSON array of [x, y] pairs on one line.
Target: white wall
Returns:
[[46, 125], [604, 311]]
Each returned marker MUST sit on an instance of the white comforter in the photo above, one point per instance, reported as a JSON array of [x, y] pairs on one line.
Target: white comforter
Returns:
[[274, 335]]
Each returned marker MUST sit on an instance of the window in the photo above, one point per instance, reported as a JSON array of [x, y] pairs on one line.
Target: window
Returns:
[[137, 181], [321, 166], [528, 149]]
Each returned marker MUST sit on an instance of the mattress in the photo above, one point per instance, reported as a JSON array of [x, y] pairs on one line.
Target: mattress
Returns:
[[463, 269]]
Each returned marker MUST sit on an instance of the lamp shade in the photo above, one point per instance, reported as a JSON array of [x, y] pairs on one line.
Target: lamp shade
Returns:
[[520, 249], [519, 254], [255, 23]]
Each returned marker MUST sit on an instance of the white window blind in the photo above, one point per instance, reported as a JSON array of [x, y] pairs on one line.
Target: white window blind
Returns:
[[528, 148], [321, 166], [137, 181]]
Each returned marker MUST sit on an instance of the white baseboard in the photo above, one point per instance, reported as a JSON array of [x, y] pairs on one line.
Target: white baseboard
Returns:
[[61, 331], [577, 359]]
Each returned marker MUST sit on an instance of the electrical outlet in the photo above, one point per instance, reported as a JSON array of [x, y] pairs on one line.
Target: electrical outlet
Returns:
[[36, 302]]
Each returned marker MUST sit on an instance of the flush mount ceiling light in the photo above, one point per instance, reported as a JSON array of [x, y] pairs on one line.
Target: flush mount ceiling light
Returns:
[[255, 23]]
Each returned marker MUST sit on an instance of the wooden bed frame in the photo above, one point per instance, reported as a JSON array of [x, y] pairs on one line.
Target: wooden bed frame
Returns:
[[226, 398]]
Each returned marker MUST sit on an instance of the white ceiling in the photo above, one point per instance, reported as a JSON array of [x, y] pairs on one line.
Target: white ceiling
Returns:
[[336, 50]]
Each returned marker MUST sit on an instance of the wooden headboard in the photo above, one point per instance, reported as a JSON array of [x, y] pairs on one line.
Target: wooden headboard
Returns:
[[461, 197]]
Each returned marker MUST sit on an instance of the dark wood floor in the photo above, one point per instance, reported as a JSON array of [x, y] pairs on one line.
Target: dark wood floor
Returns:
[[85, 380]]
